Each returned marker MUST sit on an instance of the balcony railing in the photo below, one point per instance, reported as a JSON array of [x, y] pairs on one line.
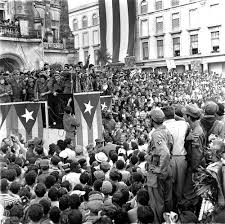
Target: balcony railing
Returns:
[[14, 31], [51, 45], [9, 31]]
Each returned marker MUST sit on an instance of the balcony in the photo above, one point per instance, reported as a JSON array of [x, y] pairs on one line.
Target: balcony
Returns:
[[14, 32], [53, 46], [9, 31]]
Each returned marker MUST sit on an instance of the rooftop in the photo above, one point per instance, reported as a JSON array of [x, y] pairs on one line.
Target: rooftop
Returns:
[[82, 7]]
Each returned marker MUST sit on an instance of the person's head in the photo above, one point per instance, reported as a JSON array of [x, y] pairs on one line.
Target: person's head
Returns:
[[11, 175], [120, 164], [97, 185], [114, 157], [64, 202], [133, 159], [55, 160], [141, 156], [35, 212], [30, 177], [211, 108], [145, 215], [106, 187], [62, 191], [84, 178], [67, 142], [46, 204], [68, 109], [53, 194], [157, 117], [14, 187], [95, 201], [114, 175], [50, 181], [191, 113], [40, 190], [75, 167], [75, 217], [17, 211], [67, 185], [74, 201], [99, 142], [54, 214], [143, 197], [169, 112]]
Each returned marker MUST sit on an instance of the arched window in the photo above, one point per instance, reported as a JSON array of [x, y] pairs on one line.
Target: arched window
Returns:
[[94, 19], [144, 6], [84, 22], [75, 24]]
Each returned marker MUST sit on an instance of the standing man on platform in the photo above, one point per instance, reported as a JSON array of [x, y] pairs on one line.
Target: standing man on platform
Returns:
[[70, 123]]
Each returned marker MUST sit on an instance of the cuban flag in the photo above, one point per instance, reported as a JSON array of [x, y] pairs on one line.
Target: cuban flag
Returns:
[[117, 27]]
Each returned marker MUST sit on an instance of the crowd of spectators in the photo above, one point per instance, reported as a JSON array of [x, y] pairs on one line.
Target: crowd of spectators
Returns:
[[141, 171]]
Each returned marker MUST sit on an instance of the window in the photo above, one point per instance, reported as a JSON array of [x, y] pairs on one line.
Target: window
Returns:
[[144, 28], [158, 4], [145, 52], [55, 34], [193, 18], [94, 20], [96, 57], [215, 40], [159, 24], [76, 57], [176, 46], [144, 7], [75, 24], [174, 2], [194, 44], [84, 22], [76, 41], [85, 39], [160, 48], [95, 37], [86, 53], [175, 21]]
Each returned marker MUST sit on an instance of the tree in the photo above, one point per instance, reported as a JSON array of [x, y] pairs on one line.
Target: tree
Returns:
[[103, 56]]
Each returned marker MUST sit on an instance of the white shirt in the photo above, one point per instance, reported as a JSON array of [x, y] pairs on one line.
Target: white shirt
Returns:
[[73, 178], [178, 129]]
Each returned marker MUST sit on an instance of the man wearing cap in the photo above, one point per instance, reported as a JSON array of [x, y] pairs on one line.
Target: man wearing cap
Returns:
[[70, 123], [99, 145], [5, 91], [42, 88], [209, 122], [178, 129], [194, 144], [159, 177]]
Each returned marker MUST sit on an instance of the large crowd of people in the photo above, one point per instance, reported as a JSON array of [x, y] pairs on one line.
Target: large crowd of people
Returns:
[[162, 138]]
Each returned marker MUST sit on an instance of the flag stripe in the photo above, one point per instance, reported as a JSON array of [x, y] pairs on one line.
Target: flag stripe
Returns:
[[21, 129], [109, 27], [99, 119], [132, 20], [14, 123], [90, 133], [80, 128], [95, 126], [34, 130], [124, 23], [102, 15], [84, 131], [40, 123], [116, 30]]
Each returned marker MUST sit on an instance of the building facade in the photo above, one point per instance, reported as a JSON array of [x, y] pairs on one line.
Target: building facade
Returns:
[[186, 32], [33, 32], [84, 23]]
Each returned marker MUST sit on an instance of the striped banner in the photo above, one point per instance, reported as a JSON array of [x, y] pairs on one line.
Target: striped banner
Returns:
[[117, 27], [21, 118], [88, 112]]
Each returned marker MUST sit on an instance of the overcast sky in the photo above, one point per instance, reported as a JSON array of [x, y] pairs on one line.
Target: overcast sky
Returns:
[[77, 3]]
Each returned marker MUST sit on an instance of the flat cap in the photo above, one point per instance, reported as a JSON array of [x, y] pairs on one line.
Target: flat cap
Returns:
[[192, 110], [211, 108], [157, 115]]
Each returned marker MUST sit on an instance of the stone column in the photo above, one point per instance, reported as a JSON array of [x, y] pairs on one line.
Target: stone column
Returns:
[[205, 67]]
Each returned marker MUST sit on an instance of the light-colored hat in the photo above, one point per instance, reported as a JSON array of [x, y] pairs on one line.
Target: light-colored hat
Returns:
[[101, 157]]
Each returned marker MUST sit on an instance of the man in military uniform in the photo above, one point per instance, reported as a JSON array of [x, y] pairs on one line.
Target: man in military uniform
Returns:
[[159, 175], [194, 144], [70, 123], [5, 90]]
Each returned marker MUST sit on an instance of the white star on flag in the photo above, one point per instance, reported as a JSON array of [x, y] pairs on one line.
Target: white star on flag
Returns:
[[103, 106], [88, 107], [28, 115]]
